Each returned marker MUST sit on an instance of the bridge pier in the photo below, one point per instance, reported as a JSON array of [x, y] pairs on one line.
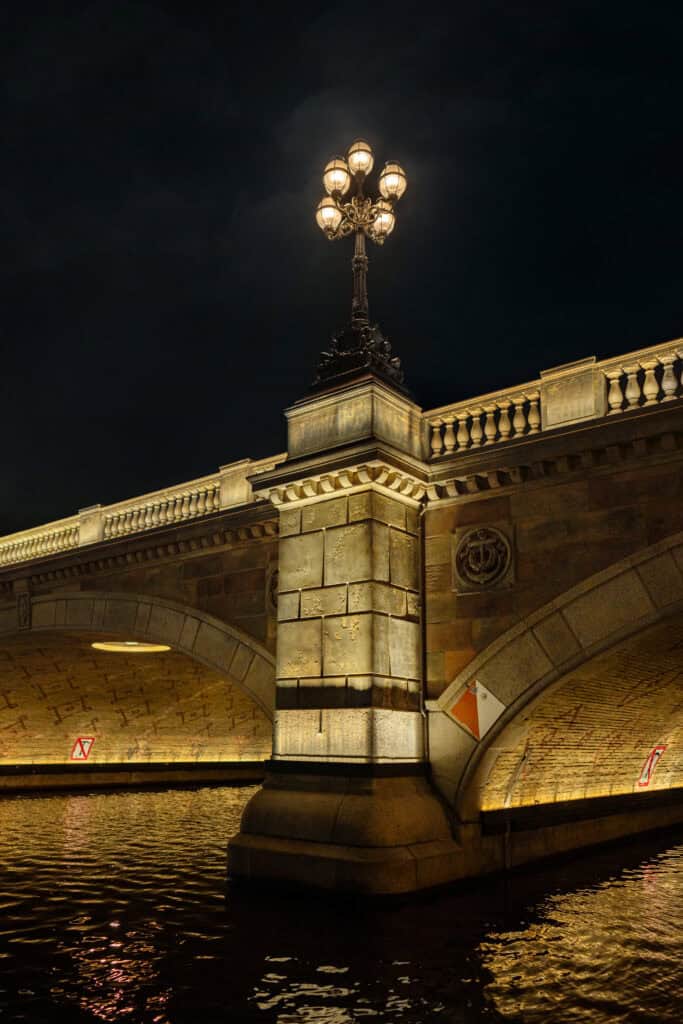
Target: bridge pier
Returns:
[[347, 803]]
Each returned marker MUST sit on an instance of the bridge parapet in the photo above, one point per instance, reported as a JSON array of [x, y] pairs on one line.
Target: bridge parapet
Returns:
[[573, 393], [228, 488]]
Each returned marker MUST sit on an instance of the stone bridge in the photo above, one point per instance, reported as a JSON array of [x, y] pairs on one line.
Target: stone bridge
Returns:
[[450, 641]]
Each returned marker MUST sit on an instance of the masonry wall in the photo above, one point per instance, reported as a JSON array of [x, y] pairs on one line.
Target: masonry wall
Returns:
[[235, 582], [562, 529]]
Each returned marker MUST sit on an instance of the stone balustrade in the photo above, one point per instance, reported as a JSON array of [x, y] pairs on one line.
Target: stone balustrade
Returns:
[[485, 420], [643, 378], [46, 540], [229, 488], [567, 394], [199, 498]]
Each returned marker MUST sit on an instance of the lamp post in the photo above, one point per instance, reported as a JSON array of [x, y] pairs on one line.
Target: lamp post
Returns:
[[346, 210]]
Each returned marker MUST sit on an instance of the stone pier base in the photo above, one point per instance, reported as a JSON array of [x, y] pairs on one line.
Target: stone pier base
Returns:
[[366, 829]]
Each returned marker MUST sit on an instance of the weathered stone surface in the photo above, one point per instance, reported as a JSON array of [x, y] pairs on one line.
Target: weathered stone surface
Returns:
[[119, 615], [324, 514], [519, 664], [348, 644], [403, 560], [404, 649], [607, 608], [299, 649], [288, 606], [289, 522], [189, 632], [357, 552], [371, 505], [241, 662], [361, 733], [377, 597], [301, 561], [323, 601], [663, 580], [166, 624], [214, 646], [556, 638]]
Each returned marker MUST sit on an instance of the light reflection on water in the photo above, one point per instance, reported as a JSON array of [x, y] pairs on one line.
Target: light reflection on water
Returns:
[[115, 907]]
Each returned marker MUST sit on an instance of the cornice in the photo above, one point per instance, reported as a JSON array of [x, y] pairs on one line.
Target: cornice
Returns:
[[381, 474]]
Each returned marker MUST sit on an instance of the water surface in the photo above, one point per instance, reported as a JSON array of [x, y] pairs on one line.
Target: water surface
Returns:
[[115, 907]]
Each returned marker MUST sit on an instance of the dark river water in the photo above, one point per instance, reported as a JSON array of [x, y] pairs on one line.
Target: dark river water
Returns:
[[115, 907]]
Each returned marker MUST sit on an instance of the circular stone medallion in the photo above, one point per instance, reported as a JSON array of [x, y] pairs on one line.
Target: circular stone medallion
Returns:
[[483, 556]]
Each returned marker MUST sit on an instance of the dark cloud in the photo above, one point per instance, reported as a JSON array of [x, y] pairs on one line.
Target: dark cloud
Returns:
[[165, 292]]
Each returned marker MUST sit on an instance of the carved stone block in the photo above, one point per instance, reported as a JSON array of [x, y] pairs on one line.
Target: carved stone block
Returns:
[[301, 561], [324, 514], [376, 597], [323, 601], [357, 552], [403, 560], [298, 649], [482, 558]]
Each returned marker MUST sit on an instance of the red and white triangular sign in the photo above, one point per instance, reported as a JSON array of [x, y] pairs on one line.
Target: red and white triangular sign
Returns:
[[81, 748], [476, 709]]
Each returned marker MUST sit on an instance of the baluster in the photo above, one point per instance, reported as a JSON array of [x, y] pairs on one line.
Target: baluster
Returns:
[[519, 419], [632, 385], [163, 511], [504, 425], [192, 511], [435, 440], [490, 429], [449, 435], [217, 496], [650, 384], [615, 396], [178, 507], [186, 506], [477, 433], [201, 502], [669, 382], [463, 431], [155, 513], [534, 416]]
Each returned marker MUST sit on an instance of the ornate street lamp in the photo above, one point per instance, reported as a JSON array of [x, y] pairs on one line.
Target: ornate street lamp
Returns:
[[359, 347]]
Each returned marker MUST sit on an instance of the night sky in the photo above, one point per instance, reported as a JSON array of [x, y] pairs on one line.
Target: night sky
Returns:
[[165, 290]]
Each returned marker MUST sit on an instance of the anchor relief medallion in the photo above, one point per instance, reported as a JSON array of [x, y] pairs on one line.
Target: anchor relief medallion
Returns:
[[483, 557]]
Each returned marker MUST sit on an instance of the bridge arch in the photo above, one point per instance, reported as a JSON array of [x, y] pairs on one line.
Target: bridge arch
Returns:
[[219, 646], [624, 623]]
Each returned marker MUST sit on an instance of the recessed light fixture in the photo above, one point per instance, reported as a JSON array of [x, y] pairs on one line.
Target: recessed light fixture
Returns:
[[129, 647]]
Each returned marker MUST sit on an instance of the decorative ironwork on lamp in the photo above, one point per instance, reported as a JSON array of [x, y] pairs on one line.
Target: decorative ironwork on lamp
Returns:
[[360, 346]]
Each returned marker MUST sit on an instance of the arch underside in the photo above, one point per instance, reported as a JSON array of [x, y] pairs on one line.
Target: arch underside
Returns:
[[593, 732], [144, 708], [207, 699]]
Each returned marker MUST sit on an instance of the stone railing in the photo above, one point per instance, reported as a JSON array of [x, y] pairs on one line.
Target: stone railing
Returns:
[[46, 540], [228, 488], [568, 394], [198, 498]]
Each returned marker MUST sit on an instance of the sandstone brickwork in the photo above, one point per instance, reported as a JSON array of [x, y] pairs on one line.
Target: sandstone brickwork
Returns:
[[161, 707]]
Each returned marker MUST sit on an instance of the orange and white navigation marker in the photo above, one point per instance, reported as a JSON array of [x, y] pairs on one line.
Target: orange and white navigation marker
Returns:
[[81, 748], [651, 762], [476, 709]]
